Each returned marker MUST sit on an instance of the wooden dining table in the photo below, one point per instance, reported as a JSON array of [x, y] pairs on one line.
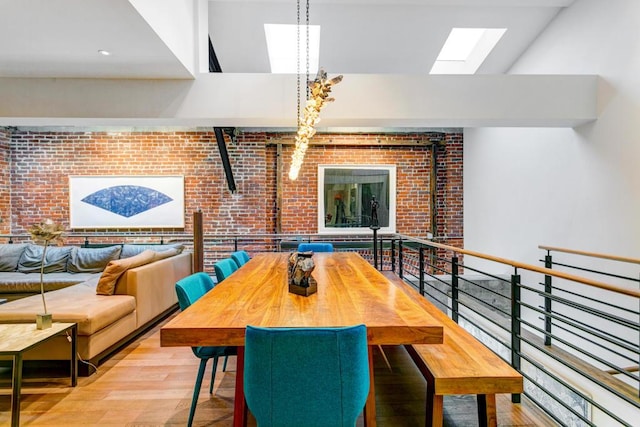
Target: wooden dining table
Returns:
[[350, 292]]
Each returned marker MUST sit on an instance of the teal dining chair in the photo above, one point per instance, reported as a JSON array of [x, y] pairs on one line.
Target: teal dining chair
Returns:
[[306, 376], [240, 257], [189, 290], [315, 247], [224, 268]]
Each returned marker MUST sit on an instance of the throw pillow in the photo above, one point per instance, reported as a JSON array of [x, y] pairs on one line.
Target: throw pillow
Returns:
[[166, 254], [131, 250], [55, 261], [115, 269], [91, 260], [10, 254]]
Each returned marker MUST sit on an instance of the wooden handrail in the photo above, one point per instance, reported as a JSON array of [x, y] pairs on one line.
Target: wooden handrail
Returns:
[[629, 369], [591, 254], [530, 267]]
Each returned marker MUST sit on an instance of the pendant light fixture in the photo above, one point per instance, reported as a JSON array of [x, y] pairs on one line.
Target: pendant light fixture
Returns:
[[316, 94]]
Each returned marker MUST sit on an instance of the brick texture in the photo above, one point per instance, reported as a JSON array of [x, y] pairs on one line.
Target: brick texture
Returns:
[[40, 163]]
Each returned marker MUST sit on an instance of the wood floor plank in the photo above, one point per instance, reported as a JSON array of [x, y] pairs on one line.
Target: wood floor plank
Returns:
[[145, 385]]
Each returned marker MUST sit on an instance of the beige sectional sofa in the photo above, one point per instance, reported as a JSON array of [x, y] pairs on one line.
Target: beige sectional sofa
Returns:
[[140, 295]]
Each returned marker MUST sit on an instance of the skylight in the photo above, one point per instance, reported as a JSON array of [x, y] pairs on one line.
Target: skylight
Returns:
[[466, 49], [281, 45]]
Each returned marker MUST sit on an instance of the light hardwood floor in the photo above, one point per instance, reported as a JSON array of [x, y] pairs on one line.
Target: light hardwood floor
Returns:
[[147, 385]]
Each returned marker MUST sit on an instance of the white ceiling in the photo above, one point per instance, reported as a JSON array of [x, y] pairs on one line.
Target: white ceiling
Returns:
[[61, 38]]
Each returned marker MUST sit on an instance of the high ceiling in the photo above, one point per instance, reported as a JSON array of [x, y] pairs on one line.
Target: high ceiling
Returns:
[[61, 38]]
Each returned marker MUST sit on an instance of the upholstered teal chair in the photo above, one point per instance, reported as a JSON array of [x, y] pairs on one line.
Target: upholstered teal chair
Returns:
[[189, 290], [224, 268], [306, 376], [315, 247], [240, 257]]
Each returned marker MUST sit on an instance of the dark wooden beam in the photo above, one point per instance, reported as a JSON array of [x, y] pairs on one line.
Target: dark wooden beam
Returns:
[[224, 156], [198, 242]]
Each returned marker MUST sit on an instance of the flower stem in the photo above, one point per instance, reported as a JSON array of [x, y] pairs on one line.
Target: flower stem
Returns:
[[44, 252]]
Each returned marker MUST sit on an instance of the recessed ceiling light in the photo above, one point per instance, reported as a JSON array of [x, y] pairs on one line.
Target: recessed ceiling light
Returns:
[[466, 49], [104, 52], [282, 40]]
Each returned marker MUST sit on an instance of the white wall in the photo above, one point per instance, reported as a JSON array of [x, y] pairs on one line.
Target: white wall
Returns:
[[577, 188], [175, 23]]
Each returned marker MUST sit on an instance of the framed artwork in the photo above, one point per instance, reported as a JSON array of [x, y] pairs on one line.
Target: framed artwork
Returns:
[[126, 201], [346, 194]]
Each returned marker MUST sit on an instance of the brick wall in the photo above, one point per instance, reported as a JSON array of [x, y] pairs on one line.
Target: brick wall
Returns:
[[5, 183], [42, 162], [449, 207], [299, 205]]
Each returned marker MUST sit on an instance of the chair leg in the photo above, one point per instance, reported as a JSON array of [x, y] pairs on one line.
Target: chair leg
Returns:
[[213, 373], [224, 365], [196, 390]]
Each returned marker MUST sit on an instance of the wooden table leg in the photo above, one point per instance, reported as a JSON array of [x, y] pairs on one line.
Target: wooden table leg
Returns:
[[239, 404], [16, 380], [370, 405]]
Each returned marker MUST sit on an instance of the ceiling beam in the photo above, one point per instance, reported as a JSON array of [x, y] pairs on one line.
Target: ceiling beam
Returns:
[[269, 100]]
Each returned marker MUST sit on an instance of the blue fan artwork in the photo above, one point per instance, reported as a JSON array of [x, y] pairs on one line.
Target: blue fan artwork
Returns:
[[127, 200]]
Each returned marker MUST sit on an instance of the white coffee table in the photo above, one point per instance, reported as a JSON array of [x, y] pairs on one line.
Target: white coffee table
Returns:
[[16, 338]]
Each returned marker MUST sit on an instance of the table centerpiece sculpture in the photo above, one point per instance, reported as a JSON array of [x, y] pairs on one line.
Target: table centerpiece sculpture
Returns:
[[299, 274]]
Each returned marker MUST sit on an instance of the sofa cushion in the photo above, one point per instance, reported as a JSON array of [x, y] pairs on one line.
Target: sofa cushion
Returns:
[[91, 260], [56, 259], [78, 303], [115, 268], [132, 250], [15, 282], [10, 254]]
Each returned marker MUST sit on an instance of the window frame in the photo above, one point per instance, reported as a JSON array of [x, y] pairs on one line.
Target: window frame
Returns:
[[322, 229]]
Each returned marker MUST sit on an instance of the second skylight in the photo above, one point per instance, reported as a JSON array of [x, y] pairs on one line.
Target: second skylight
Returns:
[[466, 49]]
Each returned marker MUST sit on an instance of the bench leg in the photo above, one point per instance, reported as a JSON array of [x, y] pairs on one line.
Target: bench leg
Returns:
[[435, 410], [435, 404], [487, 415]]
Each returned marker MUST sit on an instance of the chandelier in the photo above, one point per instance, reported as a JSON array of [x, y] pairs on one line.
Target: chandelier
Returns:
[[317, 94]]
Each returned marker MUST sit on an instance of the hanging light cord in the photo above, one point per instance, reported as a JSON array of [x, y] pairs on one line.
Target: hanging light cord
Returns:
[[298, 62], [307, 90], [307, 51]]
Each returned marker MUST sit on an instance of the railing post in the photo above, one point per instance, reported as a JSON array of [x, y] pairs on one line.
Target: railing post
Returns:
[[393, 255], [375, 247], [381, 254], [454, 288], [515, 327], [235, 243], [421, 268], [400, 258], [432, 260], [548, 263]]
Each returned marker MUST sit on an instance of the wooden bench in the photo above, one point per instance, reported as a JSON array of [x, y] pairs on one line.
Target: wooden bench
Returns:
[[460, 365]]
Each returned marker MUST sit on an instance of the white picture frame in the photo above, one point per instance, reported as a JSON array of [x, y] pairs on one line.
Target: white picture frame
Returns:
[[387, 205], [105, 202]]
